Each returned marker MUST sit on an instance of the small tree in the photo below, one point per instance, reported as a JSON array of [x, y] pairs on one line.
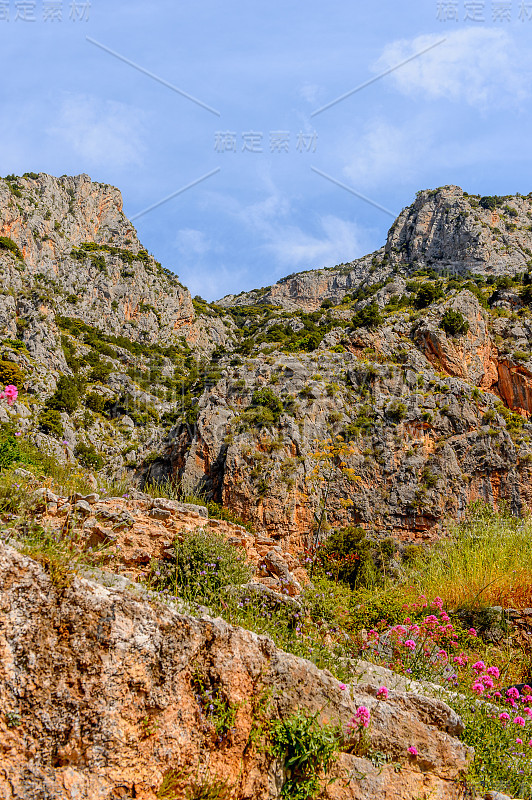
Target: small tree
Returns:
[[367, 317], [454, 323]]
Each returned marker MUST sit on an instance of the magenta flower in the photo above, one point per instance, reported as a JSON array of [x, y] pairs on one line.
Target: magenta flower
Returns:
[[478, 688], [383, 693], [493, 671], [504, 717], [513, 693], [438, 602], [360, 719], [410, 644], [342, 686], [412, 751], [472, 632], [11, 394], [479, 666], [519, 721], [519, 741]]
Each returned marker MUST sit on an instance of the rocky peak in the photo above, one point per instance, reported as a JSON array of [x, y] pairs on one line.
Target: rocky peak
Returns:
[[69, 249], [454, 232]]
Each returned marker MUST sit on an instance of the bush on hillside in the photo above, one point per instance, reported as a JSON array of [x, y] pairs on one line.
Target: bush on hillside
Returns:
[[203, 564], [11, 373], [454, 323]]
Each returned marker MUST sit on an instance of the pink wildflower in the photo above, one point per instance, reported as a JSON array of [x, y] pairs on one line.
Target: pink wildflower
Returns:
[[11, 394], [410, 644], [479, 666], [472, 632], [519, 741], [342, 686], [383, 692], [412, 751], [513, 693], [360, 719], [438, 602], [478, 687], [493, 671], [519, 721], [487, 681], [504, 717]]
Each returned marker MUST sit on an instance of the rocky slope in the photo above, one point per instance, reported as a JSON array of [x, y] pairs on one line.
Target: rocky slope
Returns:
[[232, 400], [103, 693]]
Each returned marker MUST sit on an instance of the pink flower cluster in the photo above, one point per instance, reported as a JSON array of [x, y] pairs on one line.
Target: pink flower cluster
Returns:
[[10, 393], [360, 719]]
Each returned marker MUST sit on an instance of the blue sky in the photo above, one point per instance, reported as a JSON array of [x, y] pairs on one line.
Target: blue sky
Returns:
[[459, 113]]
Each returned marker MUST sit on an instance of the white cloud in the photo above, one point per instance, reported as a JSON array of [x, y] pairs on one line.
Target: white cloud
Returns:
[[336, 241], [383, 150], [103, 132], [191, 241], [333, 240], [477, 66]]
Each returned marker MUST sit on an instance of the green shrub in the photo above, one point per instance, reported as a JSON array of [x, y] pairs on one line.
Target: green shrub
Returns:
[[454, 323], [346, 556], [50, 422], [100, 372], [88, 456], [203, 564], [95, 402], [308, 748], [367, 317], [10, 452], [66, 395], [266, 398], [427, 293], [396, 411], [8, 244], [10, 373]]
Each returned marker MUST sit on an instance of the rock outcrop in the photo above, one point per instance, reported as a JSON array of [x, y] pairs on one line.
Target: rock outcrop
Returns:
[[103, 695]]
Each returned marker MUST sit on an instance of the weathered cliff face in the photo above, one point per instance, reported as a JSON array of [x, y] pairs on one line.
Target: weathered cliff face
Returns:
[[167, 394], [99, 697], [422, 412], [448, 230], [125, 292]]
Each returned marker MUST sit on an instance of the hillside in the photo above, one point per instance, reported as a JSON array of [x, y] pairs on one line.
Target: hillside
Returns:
[[211, 513], [417, 355]]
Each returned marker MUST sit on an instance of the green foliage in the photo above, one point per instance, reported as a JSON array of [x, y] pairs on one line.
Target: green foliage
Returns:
[[454, 323], [347, 556], [367, 317], [308, 749], [66, 395], [10, 452], [95, 402], [100, 372], [11, 373], [396, 411], [499, 762], [427, 293], [50, 422], [203, 564], [266, 398], [88, 456], [8, 244], [214, 704], [491, 202]]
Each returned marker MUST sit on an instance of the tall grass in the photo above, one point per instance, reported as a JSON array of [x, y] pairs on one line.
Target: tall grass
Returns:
[[486, 560]]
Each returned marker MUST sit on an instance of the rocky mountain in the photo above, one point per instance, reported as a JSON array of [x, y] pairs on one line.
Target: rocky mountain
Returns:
[[418, 356]]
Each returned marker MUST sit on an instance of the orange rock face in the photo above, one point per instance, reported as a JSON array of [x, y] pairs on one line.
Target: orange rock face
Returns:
[[103, 694]]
